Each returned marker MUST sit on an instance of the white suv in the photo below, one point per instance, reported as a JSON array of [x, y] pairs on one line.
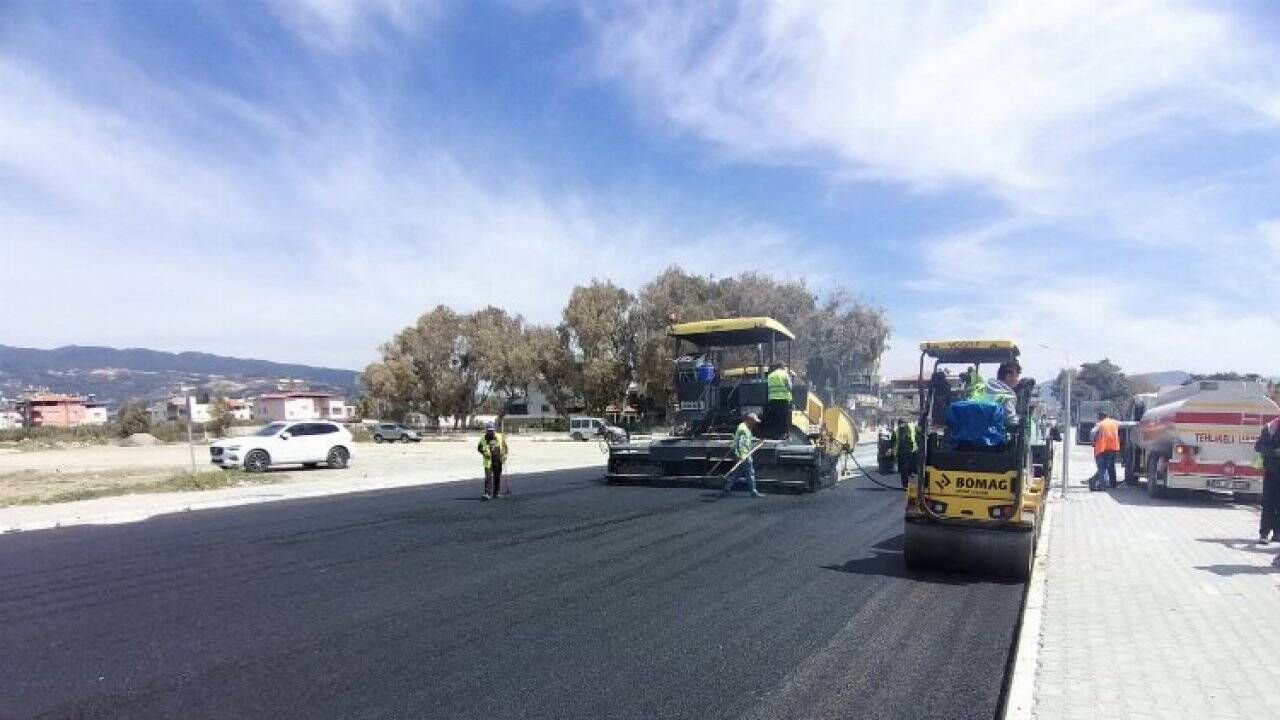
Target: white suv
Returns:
[[301, 443]]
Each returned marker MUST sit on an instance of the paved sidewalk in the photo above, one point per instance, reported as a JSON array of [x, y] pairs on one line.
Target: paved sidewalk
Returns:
[[1156, 608]]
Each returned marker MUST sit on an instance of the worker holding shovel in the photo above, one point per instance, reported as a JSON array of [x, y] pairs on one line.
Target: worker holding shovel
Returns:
[[742, 450]]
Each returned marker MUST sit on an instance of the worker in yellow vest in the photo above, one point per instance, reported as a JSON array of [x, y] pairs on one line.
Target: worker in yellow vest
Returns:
[[777, 414], [904, 444], [744, 468], [493, 448]]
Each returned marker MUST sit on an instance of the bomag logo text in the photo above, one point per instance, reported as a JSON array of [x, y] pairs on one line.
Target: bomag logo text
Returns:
[[974, 483]]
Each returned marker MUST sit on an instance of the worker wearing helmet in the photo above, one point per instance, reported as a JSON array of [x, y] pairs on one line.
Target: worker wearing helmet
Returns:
[[493, 448], [745, 469], [777, 413]]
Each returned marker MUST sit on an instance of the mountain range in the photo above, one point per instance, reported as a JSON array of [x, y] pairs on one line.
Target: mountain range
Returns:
[[115, 375]]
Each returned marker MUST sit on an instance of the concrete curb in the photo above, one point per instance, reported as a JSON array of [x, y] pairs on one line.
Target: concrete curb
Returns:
[[1020, 700]]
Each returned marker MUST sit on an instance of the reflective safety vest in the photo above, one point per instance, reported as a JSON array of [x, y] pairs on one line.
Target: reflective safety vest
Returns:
[[741, 441], [1108, 437], [779, 385], [483, 447], [975, 387]]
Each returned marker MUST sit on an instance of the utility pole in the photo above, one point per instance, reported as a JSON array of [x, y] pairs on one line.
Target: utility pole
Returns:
[[191, 445], [1067, 442]]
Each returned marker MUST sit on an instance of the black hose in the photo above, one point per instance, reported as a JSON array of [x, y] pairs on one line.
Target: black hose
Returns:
[[868, 475]]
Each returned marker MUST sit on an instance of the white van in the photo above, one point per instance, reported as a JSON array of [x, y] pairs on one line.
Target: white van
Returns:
[[585, 428]]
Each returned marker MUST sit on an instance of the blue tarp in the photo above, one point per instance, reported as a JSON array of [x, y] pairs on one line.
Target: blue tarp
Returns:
[[976, 422]]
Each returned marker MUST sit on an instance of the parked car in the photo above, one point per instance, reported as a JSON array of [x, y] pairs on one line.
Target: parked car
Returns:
[[585, 428], [390, 432], [309, 444]]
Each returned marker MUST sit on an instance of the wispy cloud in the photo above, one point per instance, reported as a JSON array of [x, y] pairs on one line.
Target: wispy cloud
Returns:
[[1131, 145], [339, 24], [310, 231]]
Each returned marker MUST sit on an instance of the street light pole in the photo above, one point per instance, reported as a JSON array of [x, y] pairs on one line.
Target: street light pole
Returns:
[[1066, 418], [1067, 441]]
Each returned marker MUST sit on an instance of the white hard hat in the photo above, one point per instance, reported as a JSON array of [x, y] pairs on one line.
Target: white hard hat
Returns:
[[490, 425]]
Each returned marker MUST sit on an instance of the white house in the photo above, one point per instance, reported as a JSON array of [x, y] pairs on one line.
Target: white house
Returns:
[[10, 420], [239, 409], [176, 410], [95, 413], [289, 406]]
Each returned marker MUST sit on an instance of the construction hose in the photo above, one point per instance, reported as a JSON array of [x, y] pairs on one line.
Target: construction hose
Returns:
[[870, 477]]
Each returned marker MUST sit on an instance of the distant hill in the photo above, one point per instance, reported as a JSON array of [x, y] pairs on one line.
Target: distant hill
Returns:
[[116, 375], [1163, 379]]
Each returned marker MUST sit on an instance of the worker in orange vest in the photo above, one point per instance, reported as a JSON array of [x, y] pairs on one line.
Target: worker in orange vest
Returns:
[[1106, 446]]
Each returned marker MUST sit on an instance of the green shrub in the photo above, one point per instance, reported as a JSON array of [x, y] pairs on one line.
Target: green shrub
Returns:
[[94, 434], [133, 419]]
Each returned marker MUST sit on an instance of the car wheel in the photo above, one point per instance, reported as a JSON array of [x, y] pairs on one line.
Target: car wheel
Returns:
[[404, 438], [338, 457], [578, 436], [257, 461], [377, 438]]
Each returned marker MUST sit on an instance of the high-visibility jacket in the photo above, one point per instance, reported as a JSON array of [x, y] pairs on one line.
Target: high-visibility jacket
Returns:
[[1107, 436], [741, 441], [910, 438], [487, 453], [779, 385]]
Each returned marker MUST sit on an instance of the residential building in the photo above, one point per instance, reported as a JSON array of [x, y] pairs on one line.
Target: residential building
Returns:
[[10, 420], [95, 413], [175, 410], [51, 410], [530, 404], [239, 409], [302, 405]]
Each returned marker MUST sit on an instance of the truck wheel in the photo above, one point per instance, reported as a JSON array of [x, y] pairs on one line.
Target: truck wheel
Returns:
[[1154, 488]]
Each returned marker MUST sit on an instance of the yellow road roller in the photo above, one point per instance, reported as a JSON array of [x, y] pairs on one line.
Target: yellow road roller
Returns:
[[975, 505]]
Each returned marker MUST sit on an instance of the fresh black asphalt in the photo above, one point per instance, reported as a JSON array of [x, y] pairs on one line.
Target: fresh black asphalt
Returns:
[[573, 599]]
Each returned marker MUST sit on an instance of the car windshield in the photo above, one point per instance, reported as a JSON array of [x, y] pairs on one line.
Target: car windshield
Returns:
[[268, 430]]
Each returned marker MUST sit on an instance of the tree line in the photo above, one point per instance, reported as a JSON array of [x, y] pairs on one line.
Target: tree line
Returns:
[[609, 341]]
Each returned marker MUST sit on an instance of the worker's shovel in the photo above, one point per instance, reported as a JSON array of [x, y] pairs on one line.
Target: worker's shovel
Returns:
[[742, 459]]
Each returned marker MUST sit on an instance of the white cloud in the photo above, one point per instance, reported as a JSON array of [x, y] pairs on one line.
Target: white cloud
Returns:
[[337, 24], [1019, 98], [1132, 146], [120, 230]]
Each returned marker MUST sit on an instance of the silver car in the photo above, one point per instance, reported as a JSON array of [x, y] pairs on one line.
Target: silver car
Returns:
[[390, 432]]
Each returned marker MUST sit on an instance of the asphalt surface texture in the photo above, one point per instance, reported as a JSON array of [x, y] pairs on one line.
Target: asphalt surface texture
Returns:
[[571, 599]]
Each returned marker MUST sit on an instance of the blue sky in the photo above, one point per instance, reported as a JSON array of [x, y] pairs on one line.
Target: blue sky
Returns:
[[297, 180]]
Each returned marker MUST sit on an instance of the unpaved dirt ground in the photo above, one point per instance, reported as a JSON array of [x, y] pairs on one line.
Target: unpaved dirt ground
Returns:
[[27, 477]]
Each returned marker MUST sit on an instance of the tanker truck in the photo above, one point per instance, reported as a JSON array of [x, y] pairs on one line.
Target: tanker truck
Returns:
[[1199, 436]]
